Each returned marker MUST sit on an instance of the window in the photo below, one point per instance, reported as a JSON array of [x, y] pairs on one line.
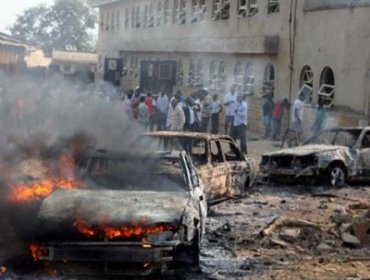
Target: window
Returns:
[[198, 10], [230, 151], [191, 73], [239, 77], [269, 80], [101, 21], [180, 72], [146, 16], [132, 67], [136, 68], [199, 77], [216, 152], [159, 13], [247, 8], [249, 79], [137, 17], [306, 84], [127, 19], [222, 75], [213, 81], [133, 18], [175, 11], [273, 6], [118, 20], [221, 9], [107, 21], [166, 16], [151, 16], [181, 12], [327, 87], [113, 23]]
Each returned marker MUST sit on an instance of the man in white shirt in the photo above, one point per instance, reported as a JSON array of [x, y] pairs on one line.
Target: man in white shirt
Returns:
[[241, 122], [297, 116], [216, 109], [230, 105]]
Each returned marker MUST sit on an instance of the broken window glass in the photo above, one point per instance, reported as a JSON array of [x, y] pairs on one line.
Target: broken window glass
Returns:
[[247, 8], [327, 89], [221, 9], [273, 6], [306, 84]]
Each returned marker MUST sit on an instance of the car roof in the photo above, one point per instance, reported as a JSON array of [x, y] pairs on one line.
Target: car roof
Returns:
[[194, 135]]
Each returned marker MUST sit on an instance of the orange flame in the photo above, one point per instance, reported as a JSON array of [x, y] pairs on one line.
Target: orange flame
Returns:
[[40, 189], [35, 251], [3, 269], [118, 232]]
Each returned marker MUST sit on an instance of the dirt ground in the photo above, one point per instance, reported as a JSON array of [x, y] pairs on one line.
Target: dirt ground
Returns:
[[235, 248]]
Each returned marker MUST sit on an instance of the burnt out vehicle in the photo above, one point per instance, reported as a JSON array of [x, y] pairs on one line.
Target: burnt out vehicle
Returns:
[[136, 214], [334, 157], [224, 170]]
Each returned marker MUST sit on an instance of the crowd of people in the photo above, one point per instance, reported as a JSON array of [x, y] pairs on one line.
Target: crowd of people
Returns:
[[201, 112]]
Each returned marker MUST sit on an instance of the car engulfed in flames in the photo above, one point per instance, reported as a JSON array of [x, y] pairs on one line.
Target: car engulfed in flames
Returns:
[[144, 213]]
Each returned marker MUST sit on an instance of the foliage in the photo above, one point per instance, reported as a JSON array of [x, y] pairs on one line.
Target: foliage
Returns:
[[66, 25]]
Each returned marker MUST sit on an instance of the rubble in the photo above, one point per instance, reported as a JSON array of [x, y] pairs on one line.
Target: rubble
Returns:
[[324, 247], [290, 234], [350, 239]]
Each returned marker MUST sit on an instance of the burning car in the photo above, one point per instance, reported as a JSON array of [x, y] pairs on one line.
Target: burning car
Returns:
[[222, 167], [334, 156], [136, 214]]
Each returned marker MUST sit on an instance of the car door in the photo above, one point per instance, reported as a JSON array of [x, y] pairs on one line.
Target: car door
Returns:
[[214, 173], [237, 166], [364, 157]]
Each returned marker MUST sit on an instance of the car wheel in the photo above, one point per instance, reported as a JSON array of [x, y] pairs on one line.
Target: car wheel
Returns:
[[336, 176]]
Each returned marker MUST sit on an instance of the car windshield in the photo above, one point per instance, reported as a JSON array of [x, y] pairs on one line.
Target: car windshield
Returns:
[[345, 137], [136, 173]]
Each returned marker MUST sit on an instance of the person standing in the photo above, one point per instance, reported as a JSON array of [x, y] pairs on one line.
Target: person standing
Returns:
[[298, 115], [277, 117], [150, 103], [190, 116], [321, 115], [268, 108], [241, 122], [230, 105], [162, 106], [216, 109], [177, 116], [205, 112], [143, 113]]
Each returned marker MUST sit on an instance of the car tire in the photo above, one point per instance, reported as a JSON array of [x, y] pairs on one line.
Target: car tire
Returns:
[[336, 175]]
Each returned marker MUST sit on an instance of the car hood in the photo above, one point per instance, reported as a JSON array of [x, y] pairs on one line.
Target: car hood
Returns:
[[114, 207], [306, 150]]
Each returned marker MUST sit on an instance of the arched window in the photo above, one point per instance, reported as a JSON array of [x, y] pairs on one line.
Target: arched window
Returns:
[[306, 84], [180, 72], [146, 16], [213, 74], [166, 16], [175, 11], [249, 79], [239, 77], [269, 80], [127, 18], [222, 75], [159, 13], [191, 73], [199, 78], [327, 87]]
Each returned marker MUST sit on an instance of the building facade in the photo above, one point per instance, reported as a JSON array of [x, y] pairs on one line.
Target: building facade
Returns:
[[261, 46]]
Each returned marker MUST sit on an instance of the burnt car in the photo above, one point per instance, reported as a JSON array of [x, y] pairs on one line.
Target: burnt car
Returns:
[[136, 214], [224, 170], [333, 156]]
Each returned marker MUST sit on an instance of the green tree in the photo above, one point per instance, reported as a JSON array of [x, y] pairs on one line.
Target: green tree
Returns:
[[67, 25]]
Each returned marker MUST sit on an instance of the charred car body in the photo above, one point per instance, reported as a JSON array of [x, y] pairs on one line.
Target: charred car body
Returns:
[[147, 212], [334, 156], [222, 167]]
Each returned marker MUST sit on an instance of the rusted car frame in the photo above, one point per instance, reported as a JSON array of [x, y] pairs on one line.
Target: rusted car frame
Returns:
[[224, 170], [334, 156]]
